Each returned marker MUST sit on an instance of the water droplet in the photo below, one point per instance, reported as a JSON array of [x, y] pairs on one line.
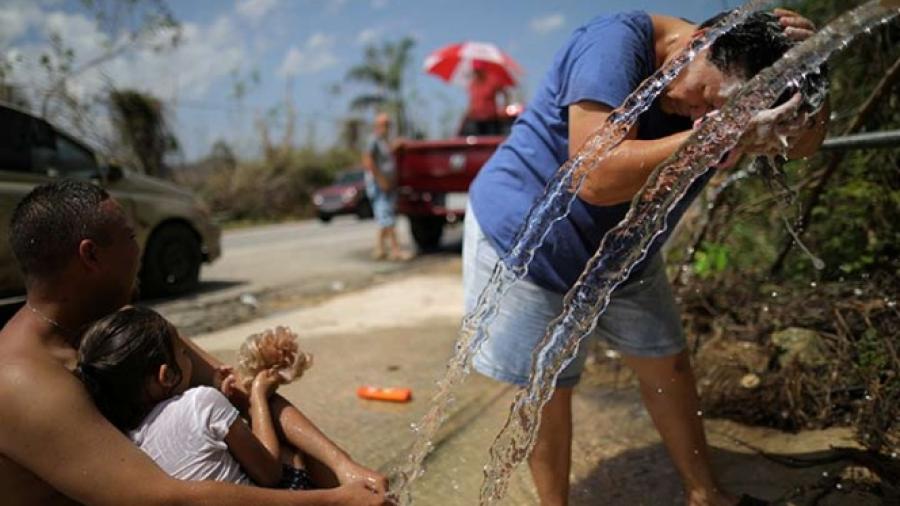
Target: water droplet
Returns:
[[659, 390], [891, 303], [857, 292], [774, 294], [893, 455], [699, 413], [813, 284], [838, 486], [765, 308], [825, 474], [696, 452]]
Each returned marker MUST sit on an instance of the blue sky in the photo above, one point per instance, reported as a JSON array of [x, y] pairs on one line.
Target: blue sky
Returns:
[[303, 47]]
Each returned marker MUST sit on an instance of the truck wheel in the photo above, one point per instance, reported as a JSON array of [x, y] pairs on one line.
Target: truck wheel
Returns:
[[427, 231], [324, 217], [171, 261]]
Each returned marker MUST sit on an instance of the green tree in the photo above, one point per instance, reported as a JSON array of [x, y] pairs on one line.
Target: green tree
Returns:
[[384, 69]]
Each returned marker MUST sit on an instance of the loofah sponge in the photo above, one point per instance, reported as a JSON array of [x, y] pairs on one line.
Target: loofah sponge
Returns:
[[272, 348]]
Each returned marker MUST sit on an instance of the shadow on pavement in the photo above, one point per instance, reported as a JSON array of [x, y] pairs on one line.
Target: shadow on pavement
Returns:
[[645, 476]]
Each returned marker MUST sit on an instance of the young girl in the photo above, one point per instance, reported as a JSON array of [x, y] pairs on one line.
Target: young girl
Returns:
[[138, 373]]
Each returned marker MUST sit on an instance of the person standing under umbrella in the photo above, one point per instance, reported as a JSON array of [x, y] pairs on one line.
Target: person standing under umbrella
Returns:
[[483, 117], [486, 72]]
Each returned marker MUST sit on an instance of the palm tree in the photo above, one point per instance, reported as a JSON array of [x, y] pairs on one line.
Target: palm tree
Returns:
[[384, 68]]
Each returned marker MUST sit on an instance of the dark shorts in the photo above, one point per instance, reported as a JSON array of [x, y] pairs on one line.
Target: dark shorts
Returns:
[[293, 478]]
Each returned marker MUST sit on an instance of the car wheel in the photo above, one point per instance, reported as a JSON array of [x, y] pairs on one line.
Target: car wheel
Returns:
[[171, 261], [325, 218], [427, 231]]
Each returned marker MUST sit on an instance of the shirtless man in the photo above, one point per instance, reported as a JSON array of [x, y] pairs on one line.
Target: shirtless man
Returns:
[[80, 259]]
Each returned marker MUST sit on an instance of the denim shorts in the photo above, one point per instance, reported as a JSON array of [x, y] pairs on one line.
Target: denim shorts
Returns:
[[642, 318], [383, 205]]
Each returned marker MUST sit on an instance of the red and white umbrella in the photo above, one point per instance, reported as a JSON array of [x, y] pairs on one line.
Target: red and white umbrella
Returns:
[[456, 62]]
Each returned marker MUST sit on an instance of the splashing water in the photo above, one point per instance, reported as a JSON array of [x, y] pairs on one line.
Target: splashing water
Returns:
[[551, 207], [772, 169], [627, 244]]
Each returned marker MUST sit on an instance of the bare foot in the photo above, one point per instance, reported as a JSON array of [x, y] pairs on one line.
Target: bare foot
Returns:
[[401, 256]]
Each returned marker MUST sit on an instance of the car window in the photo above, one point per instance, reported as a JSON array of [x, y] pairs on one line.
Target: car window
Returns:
[[14, 133], [73, 160], [350, 177]]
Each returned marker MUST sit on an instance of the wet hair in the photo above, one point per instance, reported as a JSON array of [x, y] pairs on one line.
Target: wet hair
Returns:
[[49, 223], [750, 46], [757, 43], [118, 355]]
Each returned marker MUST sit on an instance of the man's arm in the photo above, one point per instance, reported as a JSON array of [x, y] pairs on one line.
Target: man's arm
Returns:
[[370, 165], [52, 428], [625, 169]]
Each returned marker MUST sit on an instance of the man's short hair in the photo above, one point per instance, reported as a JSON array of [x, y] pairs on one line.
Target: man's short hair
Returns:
[[51, 221], [749, 47]]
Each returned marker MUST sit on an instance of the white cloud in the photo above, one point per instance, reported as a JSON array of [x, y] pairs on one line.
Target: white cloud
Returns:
[[15, 19], [316, 54], [369, 35], [548, 23], [254, 10]]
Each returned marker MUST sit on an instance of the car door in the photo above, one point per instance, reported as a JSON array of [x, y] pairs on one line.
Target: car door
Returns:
[[23, 139]]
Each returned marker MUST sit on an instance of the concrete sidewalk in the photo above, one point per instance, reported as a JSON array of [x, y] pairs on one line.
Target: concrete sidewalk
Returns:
[[401, 334]]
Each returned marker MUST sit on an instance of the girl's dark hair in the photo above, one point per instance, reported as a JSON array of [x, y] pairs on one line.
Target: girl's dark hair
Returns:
[[117, 356]]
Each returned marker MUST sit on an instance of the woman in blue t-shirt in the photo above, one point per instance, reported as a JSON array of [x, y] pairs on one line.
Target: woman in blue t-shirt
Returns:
[[598, 67]]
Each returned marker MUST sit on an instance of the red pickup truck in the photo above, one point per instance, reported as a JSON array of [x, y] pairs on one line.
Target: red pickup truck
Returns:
[[433, 179]]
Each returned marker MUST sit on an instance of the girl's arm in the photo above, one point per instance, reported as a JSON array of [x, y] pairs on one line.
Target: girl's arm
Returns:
[[258, 449], [262, 467], [264, 385]]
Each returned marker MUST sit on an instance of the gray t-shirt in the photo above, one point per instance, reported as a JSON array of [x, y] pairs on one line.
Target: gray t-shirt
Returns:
[[185, 436], [380, 151]]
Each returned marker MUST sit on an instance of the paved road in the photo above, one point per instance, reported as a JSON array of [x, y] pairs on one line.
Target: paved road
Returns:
[[280, 255], [270, 268]]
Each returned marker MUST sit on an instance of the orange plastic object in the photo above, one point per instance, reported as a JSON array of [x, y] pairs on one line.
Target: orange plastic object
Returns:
[[384, 394]]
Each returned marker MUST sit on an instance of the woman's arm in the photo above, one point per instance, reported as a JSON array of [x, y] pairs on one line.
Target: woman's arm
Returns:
[[625, 169]]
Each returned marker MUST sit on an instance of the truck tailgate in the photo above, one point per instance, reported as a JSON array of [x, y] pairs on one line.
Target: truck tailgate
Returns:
[[443, 166]]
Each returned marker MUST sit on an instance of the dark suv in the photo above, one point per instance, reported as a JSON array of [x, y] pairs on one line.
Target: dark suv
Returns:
[[173, 227]]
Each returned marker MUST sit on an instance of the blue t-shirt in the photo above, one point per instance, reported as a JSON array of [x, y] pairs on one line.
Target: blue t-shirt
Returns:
[[603, 61]]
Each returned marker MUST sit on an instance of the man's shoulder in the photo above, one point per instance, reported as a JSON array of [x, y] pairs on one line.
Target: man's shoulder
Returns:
[[28, 378]]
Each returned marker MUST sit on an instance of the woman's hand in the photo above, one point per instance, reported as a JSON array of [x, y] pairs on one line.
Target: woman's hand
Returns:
[[796, 27]]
